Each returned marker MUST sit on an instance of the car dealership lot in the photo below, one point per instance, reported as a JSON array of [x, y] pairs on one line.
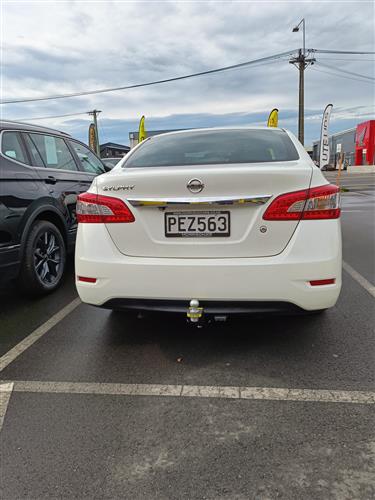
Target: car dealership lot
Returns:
[[107, 407]]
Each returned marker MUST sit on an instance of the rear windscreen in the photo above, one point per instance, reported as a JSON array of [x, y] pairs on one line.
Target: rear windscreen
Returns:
[[212, 147]]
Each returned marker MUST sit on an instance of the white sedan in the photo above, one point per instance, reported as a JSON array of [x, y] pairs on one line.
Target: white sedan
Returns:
[[211, 221]]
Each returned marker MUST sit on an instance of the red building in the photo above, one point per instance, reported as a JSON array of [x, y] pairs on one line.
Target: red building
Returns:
[[365, 143]]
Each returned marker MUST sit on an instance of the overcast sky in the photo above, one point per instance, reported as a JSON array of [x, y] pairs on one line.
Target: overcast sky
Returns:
[[55, 47]]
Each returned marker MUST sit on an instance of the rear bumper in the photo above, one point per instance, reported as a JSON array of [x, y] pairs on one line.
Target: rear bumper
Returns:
[[313, 253], [210, 307]]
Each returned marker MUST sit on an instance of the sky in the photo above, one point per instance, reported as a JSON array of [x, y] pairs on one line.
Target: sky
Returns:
[[58, 47]]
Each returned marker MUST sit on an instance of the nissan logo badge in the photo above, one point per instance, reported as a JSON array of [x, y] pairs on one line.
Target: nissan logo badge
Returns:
[[195, 186]]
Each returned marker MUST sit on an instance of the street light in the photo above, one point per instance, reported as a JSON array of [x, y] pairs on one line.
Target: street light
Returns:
[[296, 29], [301, 62]]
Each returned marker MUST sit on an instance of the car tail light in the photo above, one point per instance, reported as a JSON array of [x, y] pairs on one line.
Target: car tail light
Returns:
[[85, 279], [321, 202], [102, 209], [330, 281]]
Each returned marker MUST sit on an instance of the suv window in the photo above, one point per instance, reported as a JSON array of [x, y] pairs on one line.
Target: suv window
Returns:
[[36, 159], [90, 162], [11, 146], [214, 146], [53, 151]]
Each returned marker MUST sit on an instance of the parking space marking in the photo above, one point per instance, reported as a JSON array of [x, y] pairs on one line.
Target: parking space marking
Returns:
[[359, 278], [5, 393], [197, 391], [21, 347]]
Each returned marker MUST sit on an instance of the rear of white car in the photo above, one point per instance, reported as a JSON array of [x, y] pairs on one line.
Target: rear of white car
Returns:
[[238, 219]]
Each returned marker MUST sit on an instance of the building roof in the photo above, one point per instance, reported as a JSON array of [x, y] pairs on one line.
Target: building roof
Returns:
[[114, 145]]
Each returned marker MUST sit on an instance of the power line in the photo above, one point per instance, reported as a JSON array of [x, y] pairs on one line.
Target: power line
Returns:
[[323, 51], [328, 58], [32, 118], [340, 76], [155, 82], [47, 117], [353, 73]]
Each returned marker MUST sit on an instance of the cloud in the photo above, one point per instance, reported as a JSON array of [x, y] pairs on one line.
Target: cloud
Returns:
[[86, 45]]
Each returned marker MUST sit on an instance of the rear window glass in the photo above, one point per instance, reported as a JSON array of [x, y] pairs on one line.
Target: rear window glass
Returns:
[[212, 147], [11, 146]]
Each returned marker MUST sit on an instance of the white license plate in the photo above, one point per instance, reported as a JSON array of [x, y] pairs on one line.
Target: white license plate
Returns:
[[197, 224]]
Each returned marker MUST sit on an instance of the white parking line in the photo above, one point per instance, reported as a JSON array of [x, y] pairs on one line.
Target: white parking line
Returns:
[[5, 393], [198, 391], [359, 278], [11, 355]]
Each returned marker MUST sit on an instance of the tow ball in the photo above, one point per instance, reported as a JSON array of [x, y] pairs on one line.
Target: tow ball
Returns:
[[194, 312]]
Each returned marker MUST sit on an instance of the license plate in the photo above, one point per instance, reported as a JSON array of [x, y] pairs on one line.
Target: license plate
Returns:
[[209, 224]]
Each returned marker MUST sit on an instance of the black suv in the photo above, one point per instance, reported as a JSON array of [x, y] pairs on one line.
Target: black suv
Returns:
[[42, 171]]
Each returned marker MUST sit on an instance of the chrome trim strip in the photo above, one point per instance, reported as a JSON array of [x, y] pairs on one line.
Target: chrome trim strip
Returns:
[[225, 200]]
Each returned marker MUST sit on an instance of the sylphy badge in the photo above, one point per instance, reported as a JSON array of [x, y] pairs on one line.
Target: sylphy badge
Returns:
[[118, 188]]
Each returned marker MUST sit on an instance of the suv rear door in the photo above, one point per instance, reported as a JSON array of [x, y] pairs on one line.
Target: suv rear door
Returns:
[[58, 170]]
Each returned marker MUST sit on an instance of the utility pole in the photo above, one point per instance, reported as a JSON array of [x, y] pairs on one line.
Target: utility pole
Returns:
[[94, 113], [301, 62]]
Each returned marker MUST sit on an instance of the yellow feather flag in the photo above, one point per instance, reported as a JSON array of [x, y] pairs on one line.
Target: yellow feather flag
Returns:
[[142, 132], [273, 119]]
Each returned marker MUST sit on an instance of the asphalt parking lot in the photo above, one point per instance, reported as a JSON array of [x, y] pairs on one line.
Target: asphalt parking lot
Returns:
[[95, 405]]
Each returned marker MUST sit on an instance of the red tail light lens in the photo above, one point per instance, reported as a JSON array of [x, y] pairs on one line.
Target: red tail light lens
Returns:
[[330, 281], [102, 209], [321, 202], [280, 207], [85, 279]]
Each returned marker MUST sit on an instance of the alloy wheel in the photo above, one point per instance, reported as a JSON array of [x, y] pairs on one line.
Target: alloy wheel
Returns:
[[47, 258]]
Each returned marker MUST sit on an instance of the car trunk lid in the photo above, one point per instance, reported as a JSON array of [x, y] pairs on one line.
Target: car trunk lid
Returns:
[[240, 193]]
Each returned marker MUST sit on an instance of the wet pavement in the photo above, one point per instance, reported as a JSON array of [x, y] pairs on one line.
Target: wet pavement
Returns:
[[113, 438]]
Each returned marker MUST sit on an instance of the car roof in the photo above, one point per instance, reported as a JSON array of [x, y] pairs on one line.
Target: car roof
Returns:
[[12, 125], [214, 129]]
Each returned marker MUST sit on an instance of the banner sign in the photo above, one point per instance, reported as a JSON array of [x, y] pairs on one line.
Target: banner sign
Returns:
[[324, 142], [92, 137], [142, 132], [273, 118]]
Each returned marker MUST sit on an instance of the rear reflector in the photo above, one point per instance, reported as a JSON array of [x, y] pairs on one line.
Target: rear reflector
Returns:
[[321, 202], [86, 279], [96, 208], [330, 281]]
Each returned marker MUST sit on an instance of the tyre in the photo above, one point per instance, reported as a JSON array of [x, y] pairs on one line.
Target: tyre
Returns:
[[44, 259]]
